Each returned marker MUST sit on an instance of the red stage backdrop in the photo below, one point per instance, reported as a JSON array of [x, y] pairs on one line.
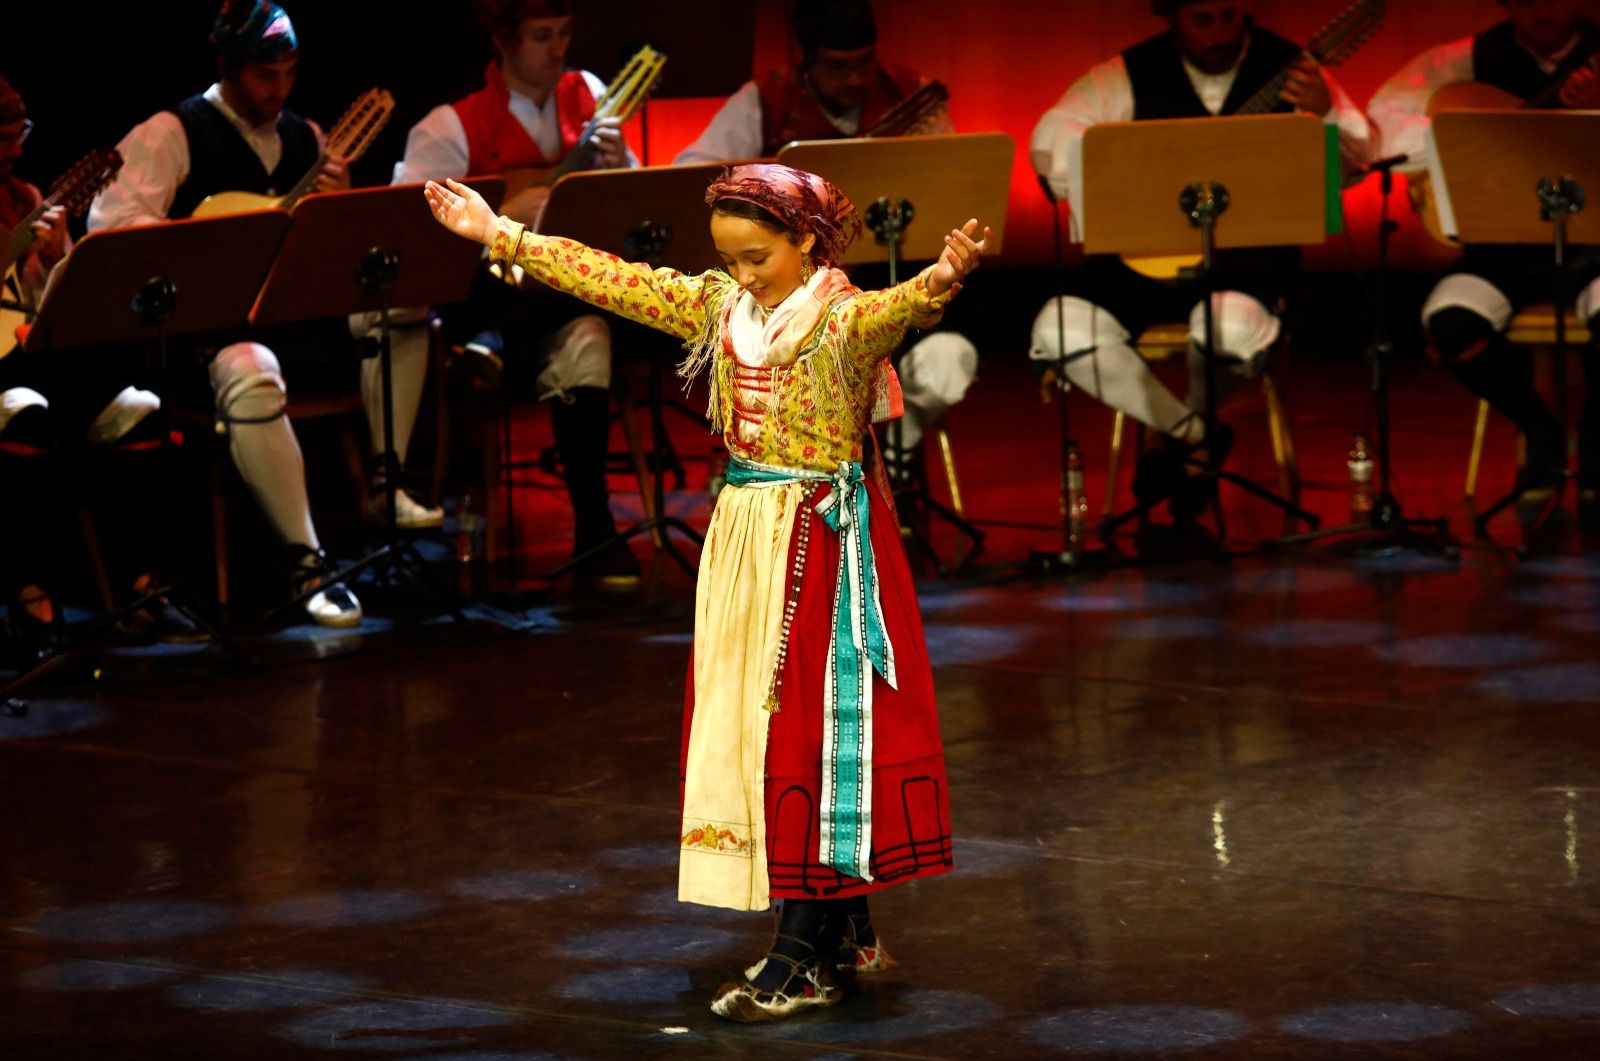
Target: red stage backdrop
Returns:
[[1007, 63]]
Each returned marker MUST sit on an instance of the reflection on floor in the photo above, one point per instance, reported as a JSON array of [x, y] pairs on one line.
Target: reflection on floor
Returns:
[[1289, 806]]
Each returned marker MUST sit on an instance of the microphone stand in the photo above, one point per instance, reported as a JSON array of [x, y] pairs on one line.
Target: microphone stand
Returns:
[[1073, 555], [1390, 529]]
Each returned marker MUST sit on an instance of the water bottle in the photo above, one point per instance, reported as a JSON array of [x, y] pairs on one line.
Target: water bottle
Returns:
[[469, 531], [1075, 500], [1360, 465]]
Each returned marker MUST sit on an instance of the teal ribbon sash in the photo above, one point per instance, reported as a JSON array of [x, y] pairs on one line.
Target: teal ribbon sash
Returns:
[[858, 645]]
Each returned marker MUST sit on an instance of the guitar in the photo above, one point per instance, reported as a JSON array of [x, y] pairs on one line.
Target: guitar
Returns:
[[1329, 46], [621, 100], [910, 115], [1476, 96], [349, 139], [72, 191]]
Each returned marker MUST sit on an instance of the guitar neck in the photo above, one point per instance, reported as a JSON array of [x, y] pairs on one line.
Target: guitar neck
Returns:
[[305, 185], [1265, 100]]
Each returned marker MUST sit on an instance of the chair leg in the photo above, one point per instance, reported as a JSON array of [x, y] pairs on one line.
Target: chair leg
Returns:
[[1474, 460], [1113, 465], [947, 454], [356, 464], [219, 524], [97, 559], [636, 457], [443, 424], [1282, 440], [492, 472]]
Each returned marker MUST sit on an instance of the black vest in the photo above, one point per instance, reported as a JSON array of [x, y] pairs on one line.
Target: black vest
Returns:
[[1162, 89], [1499, 60], [221, 161]]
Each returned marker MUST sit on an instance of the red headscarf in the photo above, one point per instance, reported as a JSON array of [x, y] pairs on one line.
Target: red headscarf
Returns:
[[803, 202]]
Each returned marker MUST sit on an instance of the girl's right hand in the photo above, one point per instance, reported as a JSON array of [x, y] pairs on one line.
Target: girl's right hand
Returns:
[[461, 210]]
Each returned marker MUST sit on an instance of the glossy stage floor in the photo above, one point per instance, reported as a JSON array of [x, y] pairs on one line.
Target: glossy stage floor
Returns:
[[1291, 806]]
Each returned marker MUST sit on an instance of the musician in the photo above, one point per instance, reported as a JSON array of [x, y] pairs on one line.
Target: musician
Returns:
[[529, 115], [1209, 61], [1543, 52], [238, 136], [839, 89], [110, 432]]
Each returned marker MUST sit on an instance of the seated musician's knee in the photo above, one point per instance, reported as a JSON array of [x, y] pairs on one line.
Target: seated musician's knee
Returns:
[[1245, 330], [248, 384], [1462, 314], [24, 421], [24, 415], [1083, 325], [580, 356], [934, 375], [1456, 333], [127, 420]]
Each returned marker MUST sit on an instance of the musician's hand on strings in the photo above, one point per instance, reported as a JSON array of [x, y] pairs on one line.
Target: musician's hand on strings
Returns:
[[961, 256], [50, 236], [461, 210], [1581, 91], [335, 175], [1307, 90], [610, 149]]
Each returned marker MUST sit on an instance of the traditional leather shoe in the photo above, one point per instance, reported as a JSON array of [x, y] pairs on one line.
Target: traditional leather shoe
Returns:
[[807, 987], [856, 959]]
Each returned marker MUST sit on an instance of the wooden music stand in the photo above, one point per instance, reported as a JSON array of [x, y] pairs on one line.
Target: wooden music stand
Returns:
[[214, 268], [666, 223], [1490, 162], [143, 285], [1272, 165], [317, 270], [946, 179], [1522, 177], [355, 252], [1165, 187], [894, 181]]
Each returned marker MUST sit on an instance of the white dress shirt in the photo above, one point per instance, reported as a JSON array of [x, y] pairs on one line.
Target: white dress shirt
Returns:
[[155, 163], [1105, 94]]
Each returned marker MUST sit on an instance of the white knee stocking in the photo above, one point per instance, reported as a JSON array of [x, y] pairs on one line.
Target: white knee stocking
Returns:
[[249, 387], [1114, 373]]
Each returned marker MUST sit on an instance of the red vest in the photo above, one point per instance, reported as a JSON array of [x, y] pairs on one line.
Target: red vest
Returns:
[[496, 141], [790, 112]]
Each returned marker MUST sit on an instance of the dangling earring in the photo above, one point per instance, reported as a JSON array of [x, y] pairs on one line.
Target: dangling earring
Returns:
[[805, 270]]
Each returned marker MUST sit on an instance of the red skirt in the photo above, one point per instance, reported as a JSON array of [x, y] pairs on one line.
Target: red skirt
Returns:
[[910, 793]]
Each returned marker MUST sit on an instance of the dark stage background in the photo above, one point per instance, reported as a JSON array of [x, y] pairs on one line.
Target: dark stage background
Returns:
[[91, 71]]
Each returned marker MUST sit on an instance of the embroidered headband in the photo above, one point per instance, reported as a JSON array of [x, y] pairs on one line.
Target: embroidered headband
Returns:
[[801, 202], [253, 31]]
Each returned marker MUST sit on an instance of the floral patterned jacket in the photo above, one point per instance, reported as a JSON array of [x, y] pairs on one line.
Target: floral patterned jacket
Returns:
[[819, 408]]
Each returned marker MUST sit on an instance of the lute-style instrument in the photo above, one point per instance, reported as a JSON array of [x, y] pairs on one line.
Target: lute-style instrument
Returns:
[[911, 115], [1329, 46], [621, 100], [349, 139], [72, 191]]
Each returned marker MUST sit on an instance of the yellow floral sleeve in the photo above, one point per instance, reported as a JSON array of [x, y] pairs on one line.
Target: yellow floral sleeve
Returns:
[[874, 322], [664, 299]]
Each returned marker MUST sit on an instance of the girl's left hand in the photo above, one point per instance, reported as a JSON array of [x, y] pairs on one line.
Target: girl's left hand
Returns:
[[962, 254]]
